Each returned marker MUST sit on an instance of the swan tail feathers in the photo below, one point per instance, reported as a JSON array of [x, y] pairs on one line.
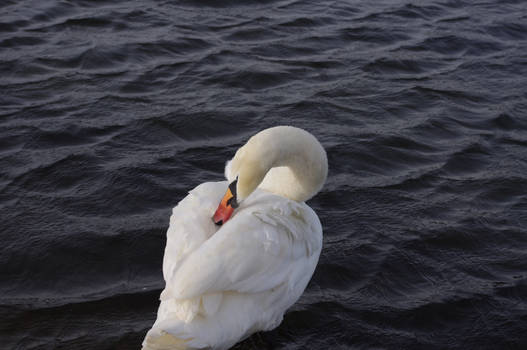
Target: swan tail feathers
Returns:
[[161, 340]]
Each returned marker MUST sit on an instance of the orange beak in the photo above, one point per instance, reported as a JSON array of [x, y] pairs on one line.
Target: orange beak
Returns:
[[227, 205]]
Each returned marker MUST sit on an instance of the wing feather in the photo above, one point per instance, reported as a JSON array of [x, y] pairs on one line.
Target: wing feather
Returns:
[[257, 250]]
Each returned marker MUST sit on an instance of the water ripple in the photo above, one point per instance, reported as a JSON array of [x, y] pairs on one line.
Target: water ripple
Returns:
[[111, 111]]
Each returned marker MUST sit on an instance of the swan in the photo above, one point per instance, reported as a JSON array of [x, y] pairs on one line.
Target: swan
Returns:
[[234, 269]]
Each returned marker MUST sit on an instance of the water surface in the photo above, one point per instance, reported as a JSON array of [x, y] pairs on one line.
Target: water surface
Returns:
[[110, 111]]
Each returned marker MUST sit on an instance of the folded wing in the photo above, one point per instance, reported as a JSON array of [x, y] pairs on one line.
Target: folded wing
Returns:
[[271, 241]]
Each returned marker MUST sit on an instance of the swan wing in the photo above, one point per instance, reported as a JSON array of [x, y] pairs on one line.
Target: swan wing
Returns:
[[269, 242]]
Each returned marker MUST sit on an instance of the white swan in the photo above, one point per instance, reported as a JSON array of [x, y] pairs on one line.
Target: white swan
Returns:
[[224, 283]]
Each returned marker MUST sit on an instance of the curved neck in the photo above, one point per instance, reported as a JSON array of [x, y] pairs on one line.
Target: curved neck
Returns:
[[283, 160]]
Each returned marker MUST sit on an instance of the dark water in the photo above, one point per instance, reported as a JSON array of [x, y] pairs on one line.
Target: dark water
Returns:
[[111, 110]]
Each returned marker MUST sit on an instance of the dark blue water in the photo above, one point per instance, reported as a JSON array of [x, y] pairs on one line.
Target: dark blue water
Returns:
[[110, 111]]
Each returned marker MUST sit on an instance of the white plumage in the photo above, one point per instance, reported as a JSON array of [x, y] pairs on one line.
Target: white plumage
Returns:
[[224, 283]]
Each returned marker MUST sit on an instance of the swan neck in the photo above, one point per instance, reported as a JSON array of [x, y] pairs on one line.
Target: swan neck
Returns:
[[286, 161]]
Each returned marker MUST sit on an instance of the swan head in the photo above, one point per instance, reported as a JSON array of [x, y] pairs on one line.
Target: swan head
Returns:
[[284, 160], [245, 172]]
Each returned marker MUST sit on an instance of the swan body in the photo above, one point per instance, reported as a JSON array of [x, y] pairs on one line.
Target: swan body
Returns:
[[224, 283]]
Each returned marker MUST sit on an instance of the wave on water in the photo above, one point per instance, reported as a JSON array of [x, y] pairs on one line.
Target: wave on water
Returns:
[[111, 111]]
